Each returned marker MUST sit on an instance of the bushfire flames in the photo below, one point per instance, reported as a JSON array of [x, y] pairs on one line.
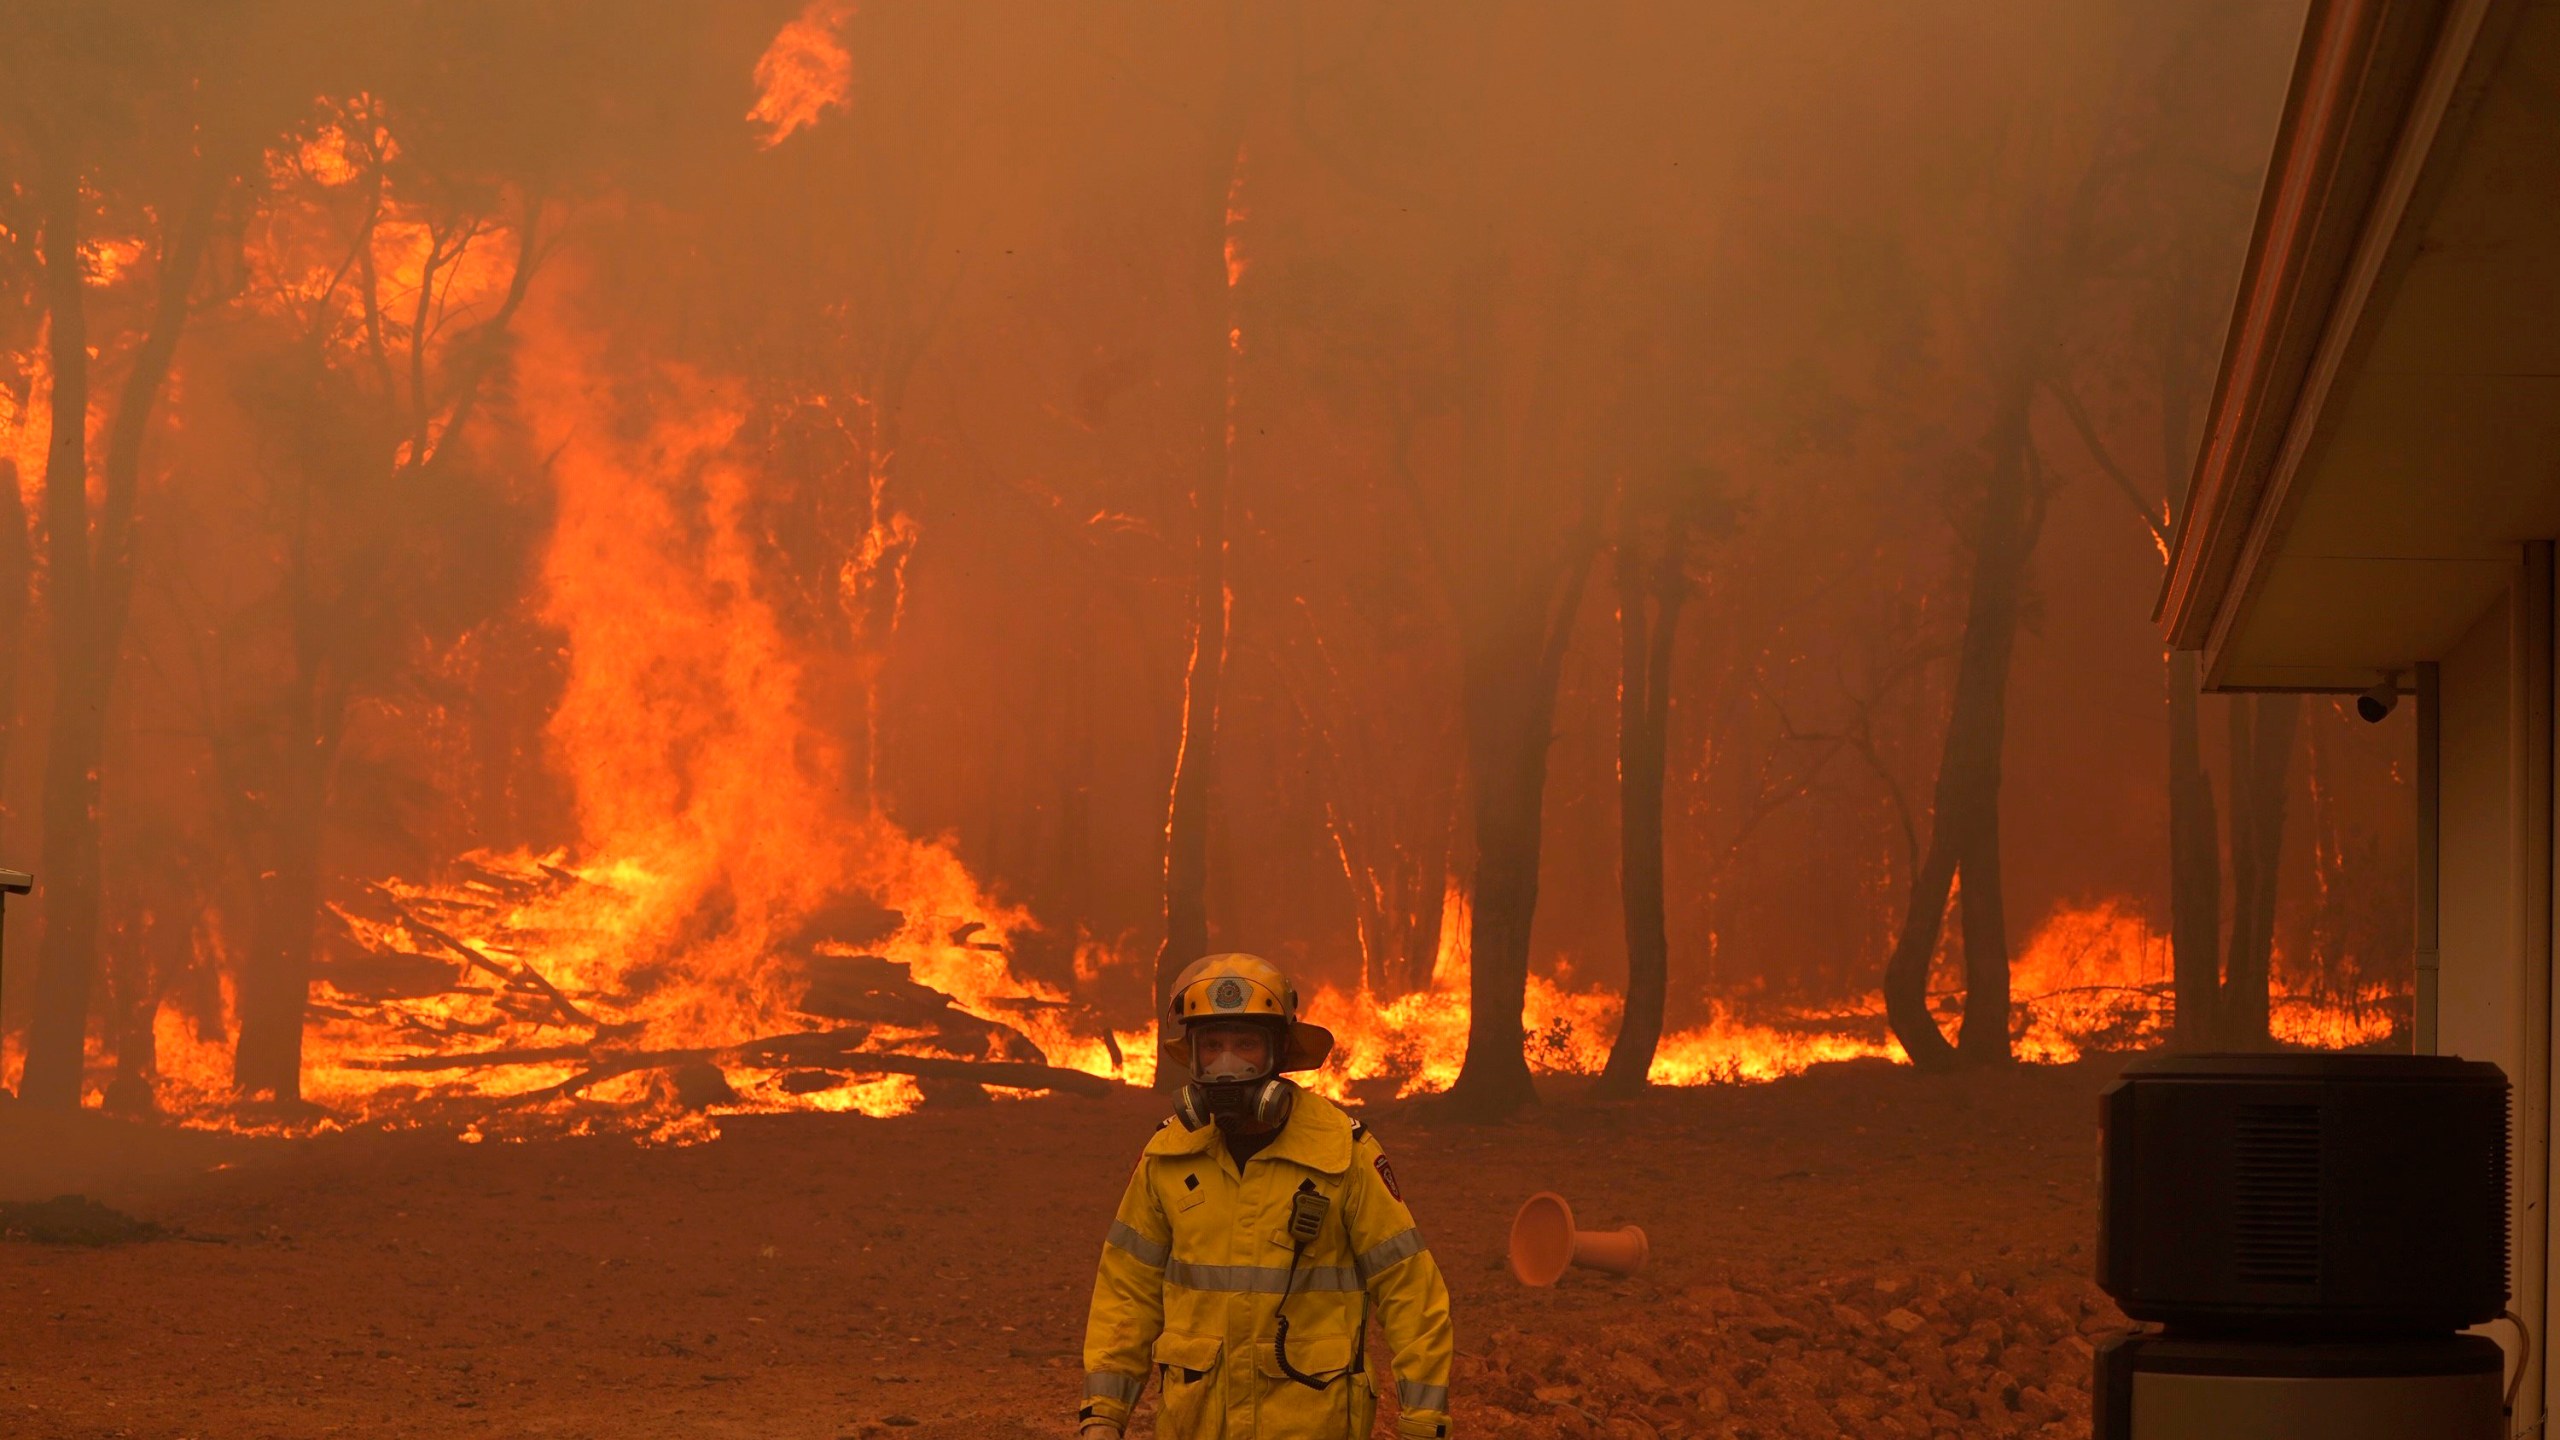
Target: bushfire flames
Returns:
[[737, 926], [569, 995], [727, 936]]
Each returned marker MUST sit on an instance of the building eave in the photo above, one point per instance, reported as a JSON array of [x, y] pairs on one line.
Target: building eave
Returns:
[[2372, 85]]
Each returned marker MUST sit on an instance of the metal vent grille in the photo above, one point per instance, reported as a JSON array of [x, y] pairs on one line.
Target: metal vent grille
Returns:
[[2506, 1187], [2278, 1190]]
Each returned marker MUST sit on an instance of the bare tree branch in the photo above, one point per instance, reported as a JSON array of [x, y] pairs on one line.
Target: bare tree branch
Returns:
[[2098, 451]]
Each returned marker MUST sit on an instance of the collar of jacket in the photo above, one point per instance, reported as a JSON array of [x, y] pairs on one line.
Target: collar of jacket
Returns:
[[1318, 1136]]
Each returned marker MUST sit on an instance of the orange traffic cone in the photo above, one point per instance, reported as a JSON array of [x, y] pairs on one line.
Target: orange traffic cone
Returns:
[[1544, 1243]]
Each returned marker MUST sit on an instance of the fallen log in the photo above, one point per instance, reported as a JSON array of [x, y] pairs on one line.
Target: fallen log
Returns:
[[377, 975], [523, 975], [818, 1050], [828, 1050], [1009, 1074], [476, 1059], [878, 991]]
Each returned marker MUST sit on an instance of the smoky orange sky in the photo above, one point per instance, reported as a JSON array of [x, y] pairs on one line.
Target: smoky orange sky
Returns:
[[765, 490]]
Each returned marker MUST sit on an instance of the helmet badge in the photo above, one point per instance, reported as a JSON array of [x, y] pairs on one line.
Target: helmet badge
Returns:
[[1228, 995]]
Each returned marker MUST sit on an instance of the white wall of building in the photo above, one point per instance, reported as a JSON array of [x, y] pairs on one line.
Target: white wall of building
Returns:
[[2496, 908], [2482, 984]]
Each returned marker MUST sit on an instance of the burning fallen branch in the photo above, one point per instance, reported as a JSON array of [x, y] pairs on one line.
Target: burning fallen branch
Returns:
[[521, 983], [834, 1052], [524, 975]]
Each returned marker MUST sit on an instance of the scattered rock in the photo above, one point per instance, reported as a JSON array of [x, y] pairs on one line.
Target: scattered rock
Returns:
[[1644, 1378], [72, 1220]]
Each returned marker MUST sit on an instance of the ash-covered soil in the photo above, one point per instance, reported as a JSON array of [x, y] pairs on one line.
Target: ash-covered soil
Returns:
[[1859, 1251]]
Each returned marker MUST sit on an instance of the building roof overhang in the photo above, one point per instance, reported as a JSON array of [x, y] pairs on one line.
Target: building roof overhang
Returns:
[[2397, 328]]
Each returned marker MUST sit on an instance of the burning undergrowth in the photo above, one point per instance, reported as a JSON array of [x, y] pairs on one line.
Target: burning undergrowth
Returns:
[[736, 928], [439, 449], [2092, 978]]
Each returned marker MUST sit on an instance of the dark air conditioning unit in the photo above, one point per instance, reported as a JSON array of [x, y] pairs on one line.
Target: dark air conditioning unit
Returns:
[[2311, 1232]]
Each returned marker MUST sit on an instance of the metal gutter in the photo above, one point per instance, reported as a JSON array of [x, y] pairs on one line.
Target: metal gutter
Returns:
[[2354, 138]]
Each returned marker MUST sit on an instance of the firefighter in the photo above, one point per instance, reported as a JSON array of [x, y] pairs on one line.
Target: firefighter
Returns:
[[1261, 1229]]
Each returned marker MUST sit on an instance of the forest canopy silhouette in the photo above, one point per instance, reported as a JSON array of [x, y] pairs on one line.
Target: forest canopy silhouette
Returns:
[[586, 565]]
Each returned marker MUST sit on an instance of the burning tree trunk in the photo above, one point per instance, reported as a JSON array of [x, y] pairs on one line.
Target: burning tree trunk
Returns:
[[1186, 862], [89, 587], [357, 457], [1217, 264], [1645, 650], [70, 782], [1964, 834], [17, 573], [1426, 902]]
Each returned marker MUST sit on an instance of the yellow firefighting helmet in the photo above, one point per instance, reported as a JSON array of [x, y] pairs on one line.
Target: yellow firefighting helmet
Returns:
[[1245, 987]]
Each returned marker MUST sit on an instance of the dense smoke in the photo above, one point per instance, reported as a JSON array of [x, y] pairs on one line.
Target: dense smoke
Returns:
[[599, 527]]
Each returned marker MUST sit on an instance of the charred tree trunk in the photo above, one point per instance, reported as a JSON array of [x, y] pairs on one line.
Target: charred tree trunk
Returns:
[[1906, 971], [1187, 821], [57, 1032], [1964, 833], [1982, 912], [90, 590], [1509, 695], [2262, 742], [134, 978], [276, 976], [17, 573], [1186, 831], [2195, 869], [276, 980], [1645, 650]]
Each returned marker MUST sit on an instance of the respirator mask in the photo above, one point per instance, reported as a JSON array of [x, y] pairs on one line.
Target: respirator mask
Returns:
[[1229, 1087]]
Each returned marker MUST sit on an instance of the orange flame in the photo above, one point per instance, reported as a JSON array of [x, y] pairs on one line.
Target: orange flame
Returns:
[[26, 424], [2093, 977], [804, 73], [107, 260], [712, 830]]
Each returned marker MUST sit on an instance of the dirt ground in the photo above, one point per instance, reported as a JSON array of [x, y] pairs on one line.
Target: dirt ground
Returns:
[[1856, 1251]]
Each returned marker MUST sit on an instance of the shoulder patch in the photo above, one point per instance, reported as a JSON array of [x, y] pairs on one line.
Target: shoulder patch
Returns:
[[1359, 1131], [1387, 1173]]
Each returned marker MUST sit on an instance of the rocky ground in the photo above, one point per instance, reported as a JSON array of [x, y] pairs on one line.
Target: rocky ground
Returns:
[[1859, 1251]]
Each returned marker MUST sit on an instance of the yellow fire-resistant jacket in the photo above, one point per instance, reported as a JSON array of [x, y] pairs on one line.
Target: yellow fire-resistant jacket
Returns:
[[1193, 1272]]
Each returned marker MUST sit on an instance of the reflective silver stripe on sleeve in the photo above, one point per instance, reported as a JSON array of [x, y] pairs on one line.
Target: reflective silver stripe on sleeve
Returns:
[[1386, 1253], [1260, 1279], [1147, 1252], [1414, 1395], [1110, 1385]]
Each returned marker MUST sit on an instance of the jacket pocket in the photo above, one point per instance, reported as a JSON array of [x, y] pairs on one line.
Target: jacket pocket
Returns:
[[1187, 1386], [1292, 1407]]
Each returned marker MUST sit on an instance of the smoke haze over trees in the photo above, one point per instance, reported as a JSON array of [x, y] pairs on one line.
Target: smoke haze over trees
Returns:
[[1458, 498]]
